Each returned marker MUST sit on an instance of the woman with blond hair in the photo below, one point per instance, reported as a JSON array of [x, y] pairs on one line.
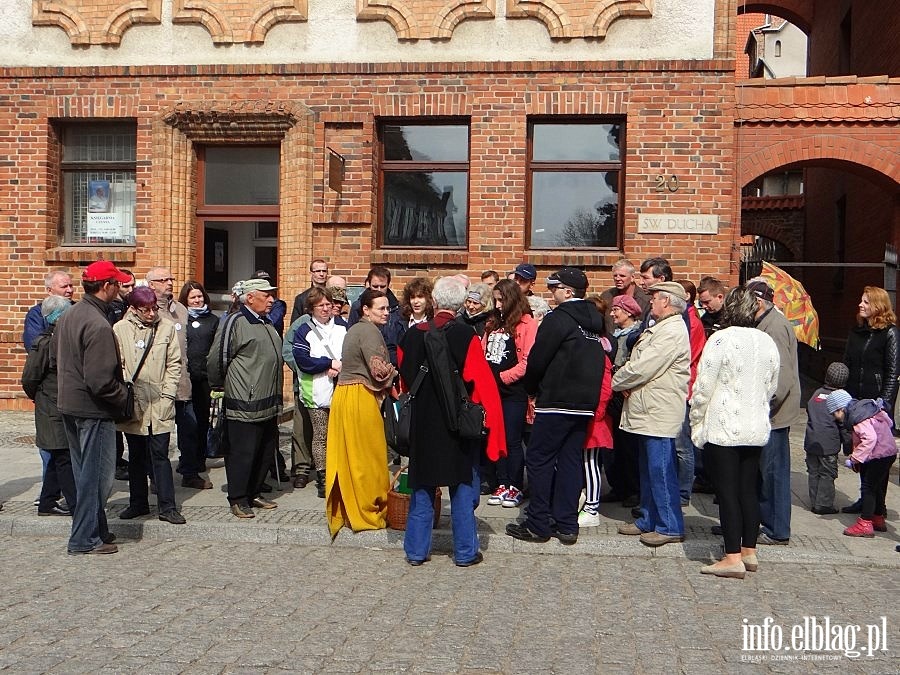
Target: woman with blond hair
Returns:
[[872, 355]]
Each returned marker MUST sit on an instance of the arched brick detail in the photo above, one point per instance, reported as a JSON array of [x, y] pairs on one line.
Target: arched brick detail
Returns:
[[791, 238], [88, 22], [424, 19], [567, 19], [798, 12], [241, 21], [176, 131], [821, 148]]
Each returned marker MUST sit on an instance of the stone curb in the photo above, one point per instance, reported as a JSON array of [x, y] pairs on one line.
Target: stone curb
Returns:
[[308, 529]]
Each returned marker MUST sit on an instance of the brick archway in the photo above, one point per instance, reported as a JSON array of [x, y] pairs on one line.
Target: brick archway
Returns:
[[798, 12], [873, 161]]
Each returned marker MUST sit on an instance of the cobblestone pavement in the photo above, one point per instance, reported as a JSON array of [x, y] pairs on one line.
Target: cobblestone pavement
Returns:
[[192, 607]]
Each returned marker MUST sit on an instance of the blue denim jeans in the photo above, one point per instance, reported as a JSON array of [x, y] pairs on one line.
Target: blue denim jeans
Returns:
[[660, 501], [775, 486], [464, 497], [685, 453], [92, 446], [193, 452]]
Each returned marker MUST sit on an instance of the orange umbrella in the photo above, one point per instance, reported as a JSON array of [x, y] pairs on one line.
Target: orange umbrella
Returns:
[[794, 302]]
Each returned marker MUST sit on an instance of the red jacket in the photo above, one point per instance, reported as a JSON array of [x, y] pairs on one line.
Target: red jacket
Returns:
[[600, 430], [697, 336]]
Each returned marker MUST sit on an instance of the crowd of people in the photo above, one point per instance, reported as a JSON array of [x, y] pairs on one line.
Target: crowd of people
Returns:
[[629, 395]]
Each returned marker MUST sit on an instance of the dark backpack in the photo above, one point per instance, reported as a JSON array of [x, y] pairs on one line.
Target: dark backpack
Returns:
[[463, 417]]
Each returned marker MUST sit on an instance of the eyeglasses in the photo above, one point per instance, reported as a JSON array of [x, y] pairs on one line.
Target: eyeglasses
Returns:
[[147, 310], [164, 280]]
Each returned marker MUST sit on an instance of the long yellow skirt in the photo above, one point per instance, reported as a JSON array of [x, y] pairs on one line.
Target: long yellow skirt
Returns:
[[356, 477]]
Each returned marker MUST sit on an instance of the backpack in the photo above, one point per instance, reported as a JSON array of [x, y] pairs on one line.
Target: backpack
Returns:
[[463, 417]]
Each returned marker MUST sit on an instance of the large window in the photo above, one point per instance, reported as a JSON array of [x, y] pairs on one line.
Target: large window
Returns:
[[424, 184], [575, 183], [98, 186]]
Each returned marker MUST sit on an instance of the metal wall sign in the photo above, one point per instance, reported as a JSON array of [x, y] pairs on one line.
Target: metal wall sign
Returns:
[[678, 223], [335, 171]]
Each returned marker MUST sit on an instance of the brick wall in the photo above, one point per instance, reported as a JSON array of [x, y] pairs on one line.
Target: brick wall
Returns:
[[678, 120]]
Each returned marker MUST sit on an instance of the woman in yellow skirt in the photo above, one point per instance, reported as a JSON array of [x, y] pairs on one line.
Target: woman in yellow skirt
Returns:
[[356, 477]]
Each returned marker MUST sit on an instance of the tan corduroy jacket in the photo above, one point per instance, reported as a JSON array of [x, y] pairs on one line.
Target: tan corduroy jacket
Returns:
[[157, 383]]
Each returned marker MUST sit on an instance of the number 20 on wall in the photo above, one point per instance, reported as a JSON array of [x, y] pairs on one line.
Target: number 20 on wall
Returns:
[[664, 183]]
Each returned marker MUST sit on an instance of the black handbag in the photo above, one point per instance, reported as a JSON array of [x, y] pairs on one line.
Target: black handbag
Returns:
[[130, 408], [403, 436]]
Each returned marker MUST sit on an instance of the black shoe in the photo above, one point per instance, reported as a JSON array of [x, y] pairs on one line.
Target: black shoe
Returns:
[[99, 550], [565, 537], [242, 511], [636, 512], [172, 517], [824, 510], [855, 507], [763, 538], [109, 538], [416, 563], [122, 472], [263, 503], [320, 484], [130, 512], [55, 510], [522, 533], [474, 561], [716, 530], [265, 488]]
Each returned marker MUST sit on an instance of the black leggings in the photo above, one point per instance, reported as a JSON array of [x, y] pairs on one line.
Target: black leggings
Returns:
[[873, 476], [734, 472]]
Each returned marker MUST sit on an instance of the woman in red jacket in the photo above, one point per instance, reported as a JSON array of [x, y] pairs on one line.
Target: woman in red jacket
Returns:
[[508, 338]]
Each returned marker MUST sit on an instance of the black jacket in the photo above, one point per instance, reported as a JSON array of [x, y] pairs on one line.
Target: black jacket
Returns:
[[477, 322], [872, 358], [565, 366], [199, 339], [39, 383], [85, 353]]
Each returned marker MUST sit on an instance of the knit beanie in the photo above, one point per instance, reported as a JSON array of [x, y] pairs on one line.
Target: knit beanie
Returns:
[[837, 375], [837, 400]]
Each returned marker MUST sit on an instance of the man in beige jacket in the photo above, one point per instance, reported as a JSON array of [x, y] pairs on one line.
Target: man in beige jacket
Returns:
[[655, 383]]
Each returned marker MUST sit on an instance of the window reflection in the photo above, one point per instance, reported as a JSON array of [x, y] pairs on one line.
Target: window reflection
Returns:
[[573, 209], [576, 142], [425, 208], [426, 143]]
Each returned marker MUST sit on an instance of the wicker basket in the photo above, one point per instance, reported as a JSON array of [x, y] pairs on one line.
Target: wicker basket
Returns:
[[398, 506]]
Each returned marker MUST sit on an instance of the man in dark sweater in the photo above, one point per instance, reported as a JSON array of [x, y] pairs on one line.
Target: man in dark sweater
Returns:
[[91, 395], [565, 370]]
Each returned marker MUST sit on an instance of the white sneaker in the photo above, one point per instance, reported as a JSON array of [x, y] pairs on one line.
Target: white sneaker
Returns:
[[499, 495], [587, 519], [582, 498]]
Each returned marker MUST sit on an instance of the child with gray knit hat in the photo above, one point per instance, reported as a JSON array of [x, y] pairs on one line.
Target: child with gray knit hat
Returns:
[[824, 438]]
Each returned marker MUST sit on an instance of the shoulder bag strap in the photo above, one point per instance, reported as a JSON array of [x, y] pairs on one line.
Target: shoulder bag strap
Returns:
[[140, 365], [423, 371]]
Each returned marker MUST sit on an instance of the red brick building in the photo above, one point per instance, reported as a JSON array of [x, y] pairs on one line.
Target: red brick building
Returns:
[[433, 137]]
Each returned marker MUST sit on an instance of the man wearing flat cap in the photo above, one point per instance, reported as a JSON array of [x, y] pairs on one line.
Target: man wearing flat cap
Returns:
[[655, 383], [775, 459], [564, 372], [250, 369]]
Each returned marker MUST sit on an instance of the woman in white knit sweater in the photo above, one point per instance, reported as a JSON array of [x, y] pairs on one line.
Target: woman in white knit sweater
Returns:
[[736, 379]]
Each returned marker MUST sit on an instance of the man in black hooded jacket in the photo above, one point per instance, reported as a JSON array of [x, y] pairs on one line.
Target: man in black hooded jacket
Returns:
[[564, 372]]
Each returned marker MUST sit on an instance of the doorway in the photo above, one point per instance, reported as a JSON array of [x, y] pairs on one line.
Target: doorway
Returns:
[[237, 216]]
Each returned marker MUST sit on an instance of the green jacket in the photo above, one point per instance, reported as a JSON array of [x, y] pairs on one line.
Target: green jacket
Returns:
[[253, 371]]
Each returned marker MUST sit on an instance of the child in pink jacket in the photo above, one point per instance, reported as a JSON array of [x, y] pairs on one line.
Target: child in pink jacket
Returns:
[[874, 451]]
